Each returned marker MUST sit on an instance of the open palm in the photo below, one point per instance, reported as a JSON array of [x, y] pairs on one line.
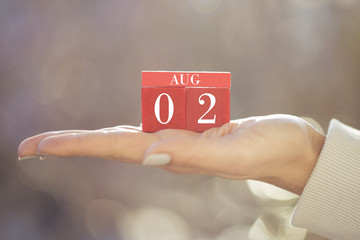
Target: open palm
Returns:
[[278, 149]]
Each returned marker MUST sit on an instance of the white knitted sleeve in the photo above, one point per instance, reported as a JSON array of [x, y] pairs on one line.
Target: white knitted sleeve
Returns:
[[330, 202]]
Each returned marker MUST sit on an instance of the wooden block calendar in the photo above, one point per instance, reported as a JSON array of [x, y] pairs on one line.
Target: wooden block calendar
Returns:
[[193, 101]]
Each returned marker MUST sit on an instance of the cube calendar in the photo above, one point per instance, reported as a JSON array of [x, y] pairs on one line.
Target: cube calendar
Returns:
[[193, 101]]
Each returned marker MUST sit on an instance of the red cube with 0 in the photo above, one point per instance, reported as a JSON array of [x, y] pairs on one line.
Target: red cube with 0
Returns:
[[193, 101]]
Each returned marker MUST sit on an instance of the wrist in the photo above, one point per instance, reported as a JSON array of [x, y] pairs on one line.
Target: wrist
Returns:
[[317, 140], [297, 168]]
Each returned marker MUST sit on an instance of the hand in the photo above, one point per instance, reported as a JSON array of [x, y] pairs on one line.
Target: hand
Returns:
[[278, 149]]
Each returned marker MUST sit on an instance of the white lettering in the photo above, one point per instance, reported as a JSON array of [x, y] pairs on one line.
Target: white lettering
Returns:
[[157, 108], [182, 79], [212, 104], [174, 79], [192, 79], [185, 80]]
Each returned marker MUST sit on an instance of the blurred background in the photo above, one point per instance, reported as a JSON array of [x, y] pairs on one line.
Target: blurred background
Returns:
[[76, 64]]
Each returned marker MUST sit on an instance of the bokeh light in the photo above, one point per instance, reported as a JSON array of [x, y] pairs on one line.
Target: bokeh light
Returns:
[[206, 6], [152, 223]]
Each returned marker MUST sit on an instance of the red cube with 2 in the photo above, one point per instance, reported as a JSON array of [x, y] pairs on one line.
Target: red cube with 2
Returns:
[[188, 100]]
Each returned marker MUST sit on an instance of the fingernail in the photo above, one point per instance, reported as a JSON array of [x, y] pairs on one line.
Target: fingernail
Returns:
[[46, 156], [157, 159], [26, 157]]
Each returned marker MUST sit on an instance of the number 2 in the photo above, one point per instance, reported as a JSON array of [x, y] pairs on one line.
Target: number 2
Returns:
[[212, 104]]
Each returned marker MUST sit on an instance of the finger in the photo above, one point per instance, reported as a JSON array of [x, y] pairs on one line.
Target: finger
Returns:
[[205, 154], [123, 144], [27, 148], [120, 127]]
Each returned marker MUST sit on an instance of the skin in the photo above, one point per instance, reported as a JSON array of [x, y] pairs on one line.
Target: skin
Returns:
[[277, 149]]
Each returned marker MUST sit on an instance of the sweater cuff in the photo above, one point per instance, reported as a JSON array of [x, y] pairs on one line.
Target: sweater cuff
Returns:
[[329, 204]]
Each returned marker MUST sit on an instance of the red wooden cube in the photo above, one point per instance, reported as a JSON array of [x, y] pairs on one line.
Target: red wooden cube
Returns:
[[163, 108], [207, 108], [194, 101]]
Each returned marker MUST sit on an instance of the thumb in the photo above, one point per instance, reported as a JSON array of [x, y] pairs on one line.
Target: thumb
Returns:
[[187, 152]]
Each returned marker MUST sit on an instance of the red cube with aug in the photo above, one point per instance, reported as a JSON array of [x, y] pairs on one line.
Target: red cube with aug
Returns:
[[193, 101]]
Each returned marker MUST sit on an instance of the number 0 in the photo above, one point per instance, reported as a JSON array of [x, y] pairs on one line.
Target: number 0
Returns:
[[157, 108], [212, 104]]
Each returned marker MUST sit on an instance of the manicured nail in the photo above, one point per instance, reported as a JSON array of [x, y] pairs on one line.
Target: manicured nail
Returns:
[[26, 157], [157, 159], [46, 156]]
